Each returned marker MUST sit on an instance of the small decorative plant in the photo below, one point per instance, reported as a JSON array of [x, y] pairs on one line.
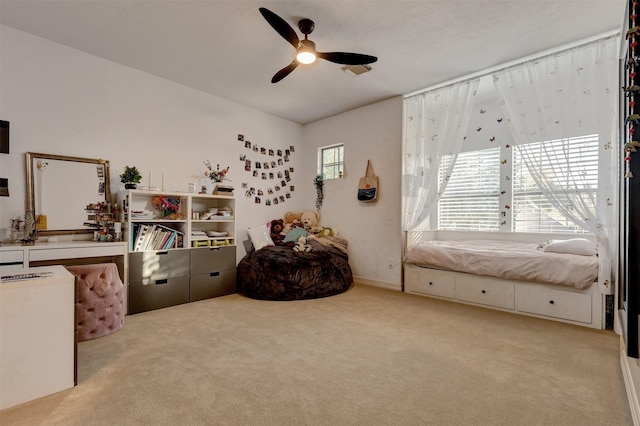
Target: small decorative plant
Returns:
[[319, 183], [131, 177]]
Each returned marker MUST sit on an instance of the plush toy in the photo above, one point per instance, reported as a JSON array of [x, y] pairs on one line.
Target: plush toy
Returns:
[[291, 220], [310, 221], [276, 228], [302, 245], [327, 232]]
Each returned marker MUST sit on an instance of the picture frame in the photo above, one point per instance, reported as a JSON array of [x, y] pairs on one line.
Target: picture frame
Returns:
[[4, 137]]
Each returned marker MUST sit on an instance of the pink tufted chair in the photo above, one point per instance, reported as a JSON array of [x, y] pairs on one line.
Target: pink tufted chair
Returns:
[[99, 300]]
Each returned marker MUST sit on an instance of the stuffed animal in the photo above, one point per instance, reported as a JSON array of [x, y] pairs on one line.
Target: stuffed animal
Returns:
[[327, 232], [302, 245], [310, 221], [276, 228], [291, 220]]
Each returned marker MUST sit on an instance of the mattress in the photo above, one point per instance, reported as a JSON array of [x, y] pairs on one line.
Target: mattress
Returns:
[[506, 259]]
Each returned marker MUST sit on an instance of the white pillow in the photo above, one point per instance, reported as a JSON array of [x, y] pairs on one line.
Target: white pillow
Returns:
[[259, 236], [580, 246]]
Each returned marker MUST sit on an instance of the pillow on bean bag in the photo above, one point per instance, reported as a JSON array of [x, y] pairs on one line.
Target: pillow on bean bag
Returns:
[[259, 236]]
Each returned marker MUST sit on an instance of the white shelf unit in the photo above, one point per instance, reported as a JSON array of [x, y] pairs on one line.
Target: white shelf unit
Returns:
[[199, 267]]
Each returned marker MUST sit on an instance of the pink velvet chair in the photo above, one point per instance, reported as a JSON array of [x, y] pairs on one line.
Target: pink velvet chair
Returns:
[[99, 300]]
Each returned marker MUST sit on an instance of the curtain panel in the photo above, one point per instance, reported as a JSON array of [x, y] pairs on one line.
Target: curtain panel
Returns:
[[569, 94], [435, 125]]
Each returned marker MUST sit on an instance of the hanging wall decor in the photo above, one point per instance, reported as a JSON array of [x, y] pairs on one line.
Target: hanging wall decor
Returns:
[[268, 177], [632, 90]]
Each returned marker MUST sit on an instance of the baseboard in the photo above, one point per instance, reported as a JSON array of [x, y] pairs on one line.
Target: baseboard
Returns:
[[632, 396], [376, 283]]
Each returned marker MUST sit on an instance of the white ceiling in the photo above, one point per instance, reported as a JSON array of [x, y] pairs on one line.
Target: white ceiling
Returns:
[[226, 48]]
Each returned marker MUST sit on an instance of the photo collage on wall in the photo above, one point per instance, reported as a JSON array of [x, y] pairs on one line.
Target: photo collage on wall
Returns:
[[268, 175]]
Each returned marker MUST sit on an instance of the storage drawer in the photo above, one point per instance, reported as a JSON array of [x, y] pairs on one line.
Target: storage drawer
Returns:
[[429, 281], [12, 258], [158, 294], [486, 291], [554, 303], [148, 266], [209, 259], [213, 284]]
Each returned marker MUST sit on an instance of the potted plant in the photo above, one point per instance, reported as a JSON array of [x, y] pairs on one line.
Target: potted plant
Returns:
[[131, 177]]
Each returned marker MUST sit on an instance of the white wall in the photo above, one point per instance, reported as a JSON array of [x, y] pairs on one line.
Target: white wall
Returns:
[[373, 132], [63, 101]]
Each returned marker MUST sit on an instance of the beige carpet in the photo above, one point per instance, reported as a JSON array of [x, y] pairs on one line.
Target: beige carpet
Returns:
[[366, 357]]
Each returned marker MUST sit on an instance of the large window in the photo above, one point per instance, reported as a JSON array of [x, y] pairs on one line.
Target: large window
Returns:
[[331, 161], [492, 189]]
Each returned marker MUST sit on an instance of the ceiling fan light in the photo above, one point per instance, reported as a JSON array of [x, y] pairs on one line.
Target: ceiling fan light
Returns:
[[306, 57]]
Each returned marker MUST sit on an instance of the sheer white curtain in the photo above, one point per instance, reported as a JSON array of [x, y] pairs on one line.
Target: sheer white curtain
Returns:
[[569, 94], [435, 125]]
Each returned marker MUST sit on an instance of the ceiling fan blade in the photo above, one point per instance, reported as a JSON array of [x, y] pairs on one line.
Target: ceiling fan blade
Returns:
[[347, 58], [281, 26], [284, 72]]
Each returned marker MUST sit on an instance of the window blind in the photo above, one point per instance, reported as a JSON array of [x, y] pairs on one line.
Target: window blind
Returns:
[[565, 160], [471, 199]]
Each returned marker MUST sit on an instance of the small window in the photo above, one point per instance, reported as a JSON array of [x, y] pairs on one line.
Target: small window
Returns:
[[331, 161]]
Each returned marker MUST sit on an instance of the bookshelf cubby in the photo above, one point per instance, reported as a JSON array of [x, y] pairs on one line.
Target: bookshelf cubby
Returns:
[[180, 254]]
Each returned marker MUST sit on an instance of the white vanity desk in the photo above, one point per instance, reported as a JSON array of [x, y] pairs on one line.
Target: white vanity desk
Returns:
[[65, 253], [25, 256]]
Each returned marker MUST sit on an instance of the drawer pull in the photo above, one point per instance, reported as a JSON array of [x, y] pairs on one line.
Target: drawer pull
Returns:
[[11, 263], [551, 302], [214, 274], [484, 291], [161, 282], [160, 253], [214, 248]]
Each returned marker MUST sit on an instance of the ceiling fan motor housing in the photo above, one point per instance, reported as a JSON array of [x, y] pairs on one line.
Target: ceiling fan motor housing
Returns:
[[306, 26]]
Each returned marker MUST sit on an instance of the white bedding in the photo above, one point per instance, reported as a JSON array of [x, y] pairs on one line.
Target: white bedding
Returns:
[[505, 259]]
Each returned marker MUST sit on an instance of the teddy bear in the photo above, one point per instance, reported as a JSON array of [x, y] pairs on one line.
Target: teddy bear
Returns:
[[291, 220], [310, 221], [276, 228]]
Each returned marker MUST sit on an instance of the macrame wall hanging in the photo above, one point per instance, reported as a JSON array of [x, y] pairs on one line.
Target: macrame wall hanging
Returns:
[[268, 176], [632, 90]]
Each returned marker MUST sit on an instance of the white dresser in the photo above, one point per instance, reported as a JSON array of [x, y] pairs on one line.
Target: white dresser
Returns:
[[37, 341]]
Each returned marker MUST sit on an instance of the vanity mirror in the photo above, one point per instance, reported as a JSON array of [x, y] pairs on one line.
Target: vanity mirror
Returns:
[[59, 188]]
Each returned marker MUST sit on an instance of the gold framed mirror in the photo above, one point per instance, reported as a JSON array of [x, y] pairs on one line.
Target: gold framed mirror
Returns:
[[59, 188]]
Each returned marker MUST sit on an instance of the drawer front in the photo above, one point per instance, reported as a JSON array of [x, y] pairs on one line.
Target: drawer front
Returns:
[[213, 284], [430, 282], [158, 294], [486, 291], [108, 249], [149, 266], [12, 258], [554, 303], [211, 259]]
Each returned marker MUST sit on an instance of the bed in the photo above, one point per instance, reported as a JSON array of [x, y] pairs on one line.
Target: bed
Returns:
[[523, 277], [277, 272]]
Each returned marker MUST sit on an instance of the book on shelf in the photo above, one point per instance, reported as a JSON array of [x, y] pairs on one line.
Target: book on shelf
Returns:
[[155, 237], [141, 235]]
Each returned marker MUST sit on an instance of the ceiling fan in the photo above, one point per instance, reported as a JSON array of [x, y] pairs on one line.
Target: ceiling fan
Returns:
[[306, 49]]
